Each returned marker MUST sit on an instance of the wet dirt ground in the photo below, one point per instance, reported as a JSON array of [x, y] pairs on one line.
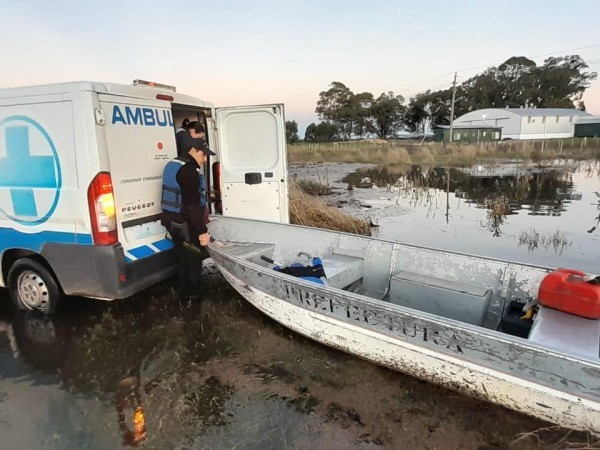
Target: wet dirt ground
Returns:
[[217, 374]]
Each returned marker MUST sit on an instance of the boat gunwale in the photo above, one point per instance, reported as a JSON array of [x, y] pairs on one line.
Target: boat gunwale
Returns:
[[372, 238]]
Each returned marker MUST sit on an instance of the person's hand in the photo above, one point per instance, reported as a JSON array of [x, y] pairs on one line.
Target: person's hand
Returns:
[[204, 239]]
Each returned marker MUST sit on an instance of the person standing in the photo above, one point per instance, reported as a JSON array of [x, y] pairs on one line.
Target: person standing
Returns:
[[181, 133], [184, 205], [188, 129]]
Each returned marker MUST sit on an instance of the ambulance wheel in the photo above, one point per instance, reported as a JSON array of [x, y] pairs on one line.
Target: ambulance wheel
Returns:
[[32, 287]]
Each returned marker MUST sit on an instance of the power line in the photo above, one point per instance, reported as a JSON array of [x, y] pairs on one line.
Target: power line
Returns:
[[447, 84], [428, 81]]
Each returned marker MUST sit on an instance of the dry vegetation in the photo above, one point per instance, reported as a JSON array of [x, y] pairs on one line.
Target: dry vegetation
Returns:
[[407, 152], [309, 210], [311, 187]]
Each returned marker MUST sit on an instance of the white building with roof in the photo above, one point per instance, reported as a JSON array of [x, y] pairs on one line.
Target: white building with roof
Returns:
[[525, 123]]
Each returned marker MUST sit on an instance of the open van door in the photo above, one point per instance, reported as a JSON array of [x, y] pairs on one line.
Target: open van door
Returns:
[[252, 155]]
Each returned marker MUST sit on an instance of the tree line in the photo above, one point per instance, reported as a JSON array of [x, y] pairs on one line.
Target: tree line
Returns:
[[519, 82]]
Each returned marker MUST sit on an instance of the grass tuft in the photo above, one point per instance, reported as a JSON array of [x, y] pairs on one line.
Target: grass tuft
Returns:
[[311, 211], [311, 187]]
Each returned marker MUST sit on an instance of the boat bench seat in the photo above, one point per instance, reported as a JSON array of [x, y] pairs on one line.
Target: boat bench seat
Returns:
[[250, 252], [445, 298], [341, 270]]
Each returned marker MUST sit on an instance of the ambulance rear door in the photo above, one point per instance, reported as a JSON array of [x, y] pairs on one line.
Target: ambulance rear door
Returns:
[[252, 156], [140, 139]]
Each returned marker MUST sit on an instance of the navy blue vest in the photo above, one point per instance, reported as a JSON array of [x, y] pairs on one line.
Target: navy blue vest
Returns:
[[171, 192]]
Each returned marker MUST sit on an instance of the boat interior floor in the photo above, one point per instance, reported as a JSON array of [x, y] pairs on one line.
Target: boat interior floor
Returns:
[[375, 279]]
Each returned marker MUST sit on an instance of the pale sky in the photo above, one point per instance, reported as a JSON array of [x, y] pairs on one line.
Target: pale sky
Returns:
[[256, 52]]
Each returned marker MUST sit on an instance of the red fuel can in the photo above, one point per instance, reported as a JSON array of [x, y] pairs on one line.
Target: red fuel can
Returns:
[[566, 290]]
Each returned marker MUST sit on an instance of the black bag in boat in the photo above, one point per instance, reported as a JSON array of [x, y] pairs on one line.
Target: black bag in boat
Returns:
[[314, 273]]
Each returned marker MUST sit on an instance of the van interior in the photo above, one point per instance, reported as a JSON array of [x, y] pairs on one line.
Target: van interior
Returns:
[[182, 112]]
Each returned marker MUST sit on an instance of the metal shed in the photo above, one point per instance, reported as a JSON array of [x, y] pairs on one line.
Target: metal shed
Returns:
[[525, 123]]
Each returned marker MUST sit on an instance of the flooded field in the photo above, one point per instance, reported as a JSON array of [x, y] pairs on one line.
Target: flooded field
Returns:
[[544, 213], [216, 373]]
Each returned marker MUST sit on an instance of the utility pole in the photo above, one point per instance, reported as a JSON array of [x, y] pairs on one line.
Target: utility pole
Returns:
[[450, 138]]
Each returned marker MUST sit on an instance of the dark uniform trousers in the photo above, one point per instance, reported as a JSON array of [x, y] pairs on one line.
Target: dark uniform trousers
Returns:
[[190, 256]]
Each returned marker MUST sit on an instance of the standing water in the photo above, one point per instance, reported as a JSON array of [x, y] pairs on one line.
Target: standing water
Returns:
[[543, 213]]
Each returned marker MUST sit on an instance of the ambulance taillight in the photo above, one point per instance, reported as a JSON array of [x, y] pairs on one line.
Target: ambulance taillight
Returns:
[[101, 202]]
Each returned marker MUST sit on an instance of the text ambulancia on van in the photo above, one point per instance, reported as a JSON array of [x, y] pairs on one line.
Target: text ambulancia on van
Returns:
[[81, 179]]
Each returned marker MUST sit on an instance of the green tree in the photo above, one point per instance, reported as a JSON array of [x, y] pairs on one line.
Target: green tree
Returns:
[[291, 131], [363, 103], [337, 105], [561, 82], [310, 135], [416, 115], [326, 132], [514, 75], [387, 113]]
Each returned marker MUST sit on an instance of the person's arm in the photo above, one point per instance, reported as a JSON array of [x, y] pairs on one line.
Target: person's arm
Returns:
[[187, 177]]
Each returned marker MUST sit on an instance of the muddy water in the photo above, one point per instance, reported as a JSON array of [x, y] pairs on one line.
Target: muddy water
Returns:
[[218, 374]]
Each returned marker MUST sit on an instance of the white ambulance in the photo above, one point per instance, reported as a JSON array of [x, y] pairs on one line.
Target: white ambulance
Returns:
[[80, 183]]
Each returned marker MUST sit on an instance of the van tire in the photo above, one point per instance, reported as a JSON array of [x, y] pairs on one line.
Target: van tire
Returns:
[[32, 287]]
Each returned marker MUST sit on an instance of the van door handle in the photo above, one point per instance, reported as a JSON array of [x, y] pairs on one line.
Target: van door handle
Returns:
[[253, 178]]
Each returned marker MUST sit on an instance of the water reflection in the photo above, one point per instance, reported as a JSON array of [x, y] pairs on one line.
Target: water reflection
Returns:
[[498, 209], [45, 344], [501, 189], [132, 420], [43, 341]]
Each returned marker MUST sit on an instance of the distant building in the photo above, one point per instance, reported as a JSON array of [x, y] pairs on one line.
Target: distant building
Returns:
[[525, 123], [587, 126], [467, 134]]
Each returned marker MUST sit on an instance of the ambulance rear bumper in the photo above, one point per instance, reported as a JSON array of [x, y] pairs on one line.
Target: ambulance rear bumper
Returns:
[[101, 271]]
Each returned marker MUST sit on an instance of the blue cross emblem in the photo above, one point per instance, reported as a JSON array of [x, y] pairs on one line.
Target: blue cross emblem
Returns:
[[23, 173]]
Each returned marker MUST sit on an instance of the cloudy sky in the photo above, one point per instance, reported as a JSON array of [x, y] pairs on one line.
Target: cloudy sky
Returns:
[[242, 52]]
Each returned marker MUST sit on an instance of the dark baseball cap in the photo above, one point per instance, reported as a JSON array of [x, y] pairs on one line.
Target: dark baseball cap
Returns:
[[200, 144]]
